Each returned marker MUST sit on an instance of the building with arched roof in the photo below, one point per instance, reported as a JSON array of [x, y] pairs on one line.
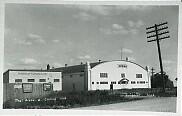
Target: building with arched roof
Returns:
[[107, 75]]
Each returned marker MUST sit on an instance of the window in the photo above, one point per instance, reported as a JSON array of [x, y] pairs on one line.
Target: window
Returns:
[[42, 80], [103, 82], [123, 75], [92, 82], [133, 82], [97, 82], [81, 75], [103, 75], [113, 82], [18, 80], [56, 80], [138, 82], [142, 82], [31, 80], [47, 87], [138, 75], [123, 82], [27, 87]]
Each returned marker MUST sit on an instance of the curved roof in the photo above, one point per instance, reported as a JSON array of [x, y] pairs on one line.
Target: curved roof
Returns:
[[81, 67], [124, 61]]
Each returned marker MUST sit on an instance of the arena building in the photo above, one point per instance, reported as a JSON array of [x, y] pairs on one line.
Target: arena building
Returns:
[[107, 75]]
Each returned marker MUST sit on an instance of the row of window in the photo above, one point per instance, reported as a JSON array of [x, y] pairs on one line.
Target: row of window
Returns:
[[105, 75], [121, 82], [28, 87], [33, 80]]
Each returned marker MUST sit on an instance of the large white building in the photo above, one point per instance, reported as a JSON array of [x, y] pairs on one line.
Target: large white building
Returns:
[[106, 75]]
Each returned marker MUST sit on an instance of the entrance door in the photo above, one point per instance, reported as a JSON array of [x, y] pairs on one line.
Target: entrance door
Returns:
[[111, 86], [97, 85]]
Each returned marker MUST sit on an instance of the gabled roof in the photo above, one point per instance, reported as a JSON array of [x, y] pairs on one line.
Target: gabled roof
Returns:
[[75, 68]]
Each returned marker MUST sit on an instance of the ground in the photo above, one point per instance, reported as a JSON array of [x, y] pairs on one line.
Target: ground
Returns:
[[156, 104]]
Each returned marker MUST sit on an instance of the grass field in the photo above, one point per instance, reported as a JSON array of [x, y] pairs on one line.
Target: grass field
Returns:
[[156, 104]]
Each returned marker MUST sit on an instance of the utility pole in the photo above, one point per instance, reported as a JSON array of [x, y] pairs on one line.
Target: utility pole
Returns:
[[155, 34], [152, 76], [152, 72]]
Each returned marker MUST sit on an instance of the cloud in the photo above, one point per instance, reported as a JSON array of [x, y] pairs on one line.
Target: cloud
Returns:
[[137, 24], [131, 59], [126, 50], [84, 16], [133, 31], [168, 61], [28, 61], [114, 29], [36, 38], [117, 26], [84, 57], [55, 40], [22, 41], [134, 7], [134, 26], [105, 10], [105, 31], [96, 9]]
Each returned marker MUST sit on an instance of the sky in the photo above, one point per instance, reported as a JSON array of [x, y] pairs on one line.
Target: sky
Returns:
[[57, 34]]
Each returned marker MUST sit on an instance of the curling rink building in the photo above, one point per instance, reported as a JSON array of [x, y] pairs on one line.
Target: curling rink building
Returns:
[[107, 75]]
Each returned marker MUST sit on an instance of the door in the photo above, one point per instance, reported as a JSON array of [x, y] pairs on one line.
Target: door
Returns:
[[111, 86], [97, 85]]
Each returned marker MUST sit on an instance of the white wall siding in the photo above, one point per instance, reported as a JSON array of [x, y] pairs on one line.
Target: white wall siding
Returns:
[[114, 70], [48, 76]]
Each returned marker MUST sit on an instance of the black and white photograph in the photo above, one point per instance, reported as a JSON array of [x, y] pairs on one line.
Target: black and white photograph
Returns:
[[91, 57]]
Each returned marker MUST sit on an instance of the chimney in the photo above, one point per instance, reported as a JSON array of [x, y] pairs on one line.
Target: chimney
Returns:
[[66, 65], [48, 67], [126, 58]]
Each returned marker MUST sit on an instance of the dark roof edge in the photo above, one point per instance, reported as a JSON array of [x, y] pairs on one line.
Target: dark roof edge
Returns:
[[30, 70], [121, 60]]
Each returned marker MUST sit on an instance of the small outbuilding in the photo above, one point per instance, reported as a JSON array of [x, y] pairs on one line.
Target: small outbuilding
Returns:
[[27, 84]]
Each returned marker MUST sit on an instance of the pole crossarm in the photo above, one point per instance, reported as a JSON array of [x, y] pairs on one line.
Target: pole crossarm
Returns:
[[151, 36], [150, 31], [162, 24], [163, 33], [162, 28], [150, 27], [159, 39]]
